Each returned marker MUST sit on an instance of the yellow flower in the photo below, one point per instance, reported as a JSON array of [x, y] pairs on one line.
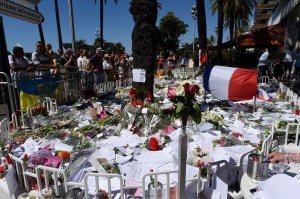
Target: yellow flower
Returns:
[[64, 154]]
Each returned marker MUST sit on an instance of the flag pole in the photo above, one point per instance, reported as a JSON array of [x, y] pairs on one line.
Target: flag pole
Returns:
[[254, 106]]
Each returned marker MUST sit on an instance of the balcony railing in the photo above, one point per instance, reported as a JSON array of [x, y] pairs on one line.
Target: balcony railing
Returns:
[[263, 16], [267, 6]]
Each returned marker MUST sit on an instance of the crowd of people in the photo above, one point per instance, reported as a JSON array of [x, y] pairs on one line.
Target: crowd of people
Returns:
[[95, 67], [282, 66]]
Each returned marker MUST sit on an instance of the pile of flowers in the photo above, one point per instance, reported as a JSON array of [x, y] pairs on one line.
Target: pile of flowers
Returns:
[[213, 118], [185, 103], [39, 111], [137, 95]]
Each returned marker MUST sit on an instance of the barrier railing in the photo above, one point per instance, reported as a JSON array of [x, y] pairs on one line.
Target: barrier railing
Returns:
[[10, 86]]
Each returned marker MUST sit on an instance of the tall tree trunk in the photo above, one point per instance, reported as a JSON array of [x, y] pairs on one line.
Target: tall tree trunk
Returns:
[[58, 26], [144, 42], [231, 25], [201, 21], [101, 22], [220, 31]]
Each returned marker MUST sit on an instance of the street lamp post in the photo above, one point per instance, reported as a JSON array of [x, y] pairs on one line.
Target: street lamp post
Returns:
[[194, 14]]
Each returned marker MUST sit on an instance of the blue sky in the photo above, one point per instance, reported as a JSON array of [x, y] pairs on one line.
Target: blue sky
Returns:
[[118, 22]]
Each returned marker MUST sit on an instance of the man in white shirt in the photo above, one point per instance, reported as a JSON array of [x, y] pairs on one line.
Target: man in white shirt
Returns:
[[19, 64], [263, 63], [42, 60], [289, 60]]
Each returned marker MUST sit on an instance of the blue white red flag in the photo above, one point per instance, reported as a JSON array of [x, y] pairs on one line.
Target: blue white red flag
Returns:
[[263, 95], [229, 83]]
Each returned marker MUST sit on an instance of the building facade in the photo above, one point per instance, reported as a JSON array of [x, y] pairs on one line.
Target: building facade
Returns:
[[287, 12], [263, 12]]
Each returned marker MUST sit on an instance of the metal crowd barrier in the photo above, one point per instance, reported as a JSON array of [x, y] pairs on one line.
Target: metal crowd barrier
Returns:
[[184, 73], [7, 84]]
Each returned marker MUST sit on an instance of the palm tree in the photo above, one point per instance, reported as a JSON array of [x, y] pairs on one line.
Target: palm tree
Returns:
[[144, 42], [220, 8], [236, 13], [202, 33], [101, 18], [58, 25]]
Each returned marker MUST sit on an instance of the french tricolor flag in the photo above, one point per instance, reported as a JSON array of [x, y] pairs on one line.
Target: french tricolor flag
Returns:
[[229, 83], [263, 95]]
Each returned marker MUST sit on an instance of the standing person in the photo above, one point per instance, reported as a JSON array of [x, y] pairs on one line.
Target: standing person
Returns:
[[53, 56], [97, 62], [289, 59], [43, 61], [161, 61], [18, 63], [297, 65], [183, 61], [171, 61], [278, 70], [108, 68], [20, 67], [68, 60], [263, 63]]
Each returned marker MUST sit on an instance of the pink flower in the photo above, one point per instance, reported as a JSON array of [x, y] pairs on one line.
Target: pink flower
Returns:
[[171, 92], [194, 88], [222, 142], [186, 88], [103, 115], [200, 163]]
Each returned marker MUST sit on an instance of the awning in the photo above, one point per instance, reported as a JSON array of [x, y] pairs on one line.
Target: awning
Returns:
[[264, 37]]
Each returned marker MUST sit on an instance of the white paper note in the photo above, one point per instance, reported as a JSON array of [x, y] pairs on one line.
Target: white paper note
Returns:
[[139, 75]]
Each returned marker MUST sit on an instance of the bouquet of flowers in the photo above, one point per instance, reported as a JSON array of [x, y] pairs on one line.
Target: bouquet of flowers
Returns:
[[213, 118], [136, 95], [185, 103], [198, 157]]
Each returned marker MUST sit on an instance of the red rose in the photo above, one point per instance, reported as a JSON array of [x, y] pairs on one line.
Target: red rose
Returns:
[[186, 87], [25, 157], [222, 142], [132, 93], [171, 93], [133, 103], [9, 147], [236, 135], [194, 88], [8, 159], [149, 96], [139, 102], [200, 163], [153, 144]]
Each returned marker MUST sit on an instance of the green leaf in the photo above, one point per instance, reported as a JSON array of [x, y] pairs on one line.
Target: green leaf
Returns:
[[196, 117], [196, 107], [179, 107]]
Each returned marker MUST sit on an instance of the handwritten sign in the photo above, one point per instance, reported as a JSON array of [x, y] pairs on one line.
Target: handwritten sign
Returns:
[[139, 75]]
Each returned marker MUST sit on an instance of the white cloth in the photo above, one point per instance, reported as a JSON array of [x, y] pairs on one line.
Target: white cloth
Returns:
[[263, 60]]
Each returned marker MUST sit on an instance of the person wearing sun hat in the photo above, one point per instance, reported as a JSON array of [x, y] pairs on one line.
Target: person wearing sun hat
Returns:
[[108, 68], [97, 62]]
